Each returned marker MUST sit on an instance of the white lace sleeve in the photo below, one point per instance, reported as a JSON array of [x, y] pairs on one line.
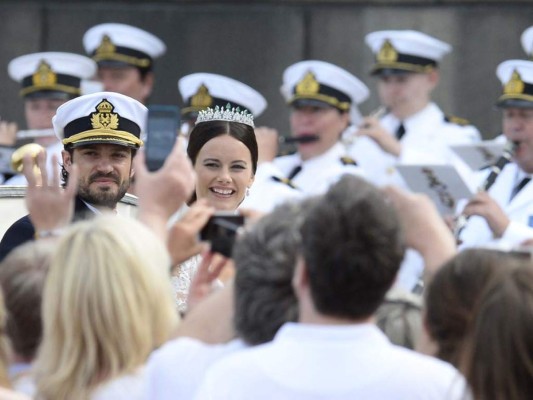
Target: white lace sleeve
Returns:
[[181, 281]]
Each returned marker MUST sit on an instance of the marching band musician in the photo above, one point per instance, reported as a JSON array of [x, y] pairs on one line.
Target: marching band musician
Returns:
[[504, 215], [323, 101], [125, 56], [47, 81], [414, 130]]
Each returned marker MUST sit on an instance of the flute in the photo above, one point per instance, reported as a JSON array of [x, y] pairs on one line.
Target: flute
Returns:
[[298, 139], [35, 133], [495, 170]]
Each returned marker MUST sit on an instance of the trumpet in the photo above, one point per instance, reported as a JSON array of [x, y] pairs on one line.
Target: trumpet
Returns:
[[18, 156], [495, 170], [349, 137]]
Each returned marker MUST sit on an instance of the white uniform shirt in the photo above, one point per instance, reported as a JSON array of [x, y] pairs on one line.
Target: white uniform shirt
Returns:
[[318, 173], [267, 192], [426, 141], [330, 362], [519, 210], [175, 370]]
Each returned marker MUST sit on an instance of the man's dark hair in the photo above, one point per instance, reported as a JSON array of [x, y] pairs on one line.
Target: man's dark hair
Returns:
[[352, 247], [264, 259]]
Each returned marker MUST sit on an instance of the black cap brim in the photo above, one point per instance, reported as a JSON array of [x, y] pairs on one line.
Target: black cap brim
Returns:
[[514, 103], [384, 72], [310, 103], [50, 94]]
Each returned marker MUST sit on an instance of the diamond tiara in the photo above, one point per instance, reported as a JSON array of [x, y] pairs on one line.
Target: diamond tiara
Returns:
[[228, 113]]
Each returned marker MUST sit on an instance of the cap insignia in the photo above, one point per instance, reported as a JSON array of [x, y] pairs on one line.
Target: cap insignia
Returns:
[[225, 114], [106, 46], [202, 98], [515, 84], [44, 76], [308, 85], [387, 53], [104, 118]]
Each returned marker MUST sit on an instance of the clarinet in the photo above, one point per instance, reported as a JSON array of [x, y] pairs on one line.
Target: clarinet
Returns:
[[495, 170]]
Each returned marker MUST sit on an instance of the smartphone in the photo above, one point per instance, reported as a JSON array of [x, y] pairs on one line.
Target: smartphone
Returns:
[[221, 231], [161, 134]]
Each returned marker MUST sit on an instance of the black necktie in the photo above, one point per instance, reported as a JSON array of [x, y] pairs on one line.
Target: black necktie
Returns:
[[294, 172], [400, 131], [519, 187]]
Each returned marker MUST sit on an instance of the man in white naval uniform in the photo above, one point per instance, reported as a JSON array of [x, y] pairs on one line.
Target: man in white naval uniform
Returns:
[[504, 215], [335, 351], [414, 129], [201, 90], [323, 100], [47, 81]]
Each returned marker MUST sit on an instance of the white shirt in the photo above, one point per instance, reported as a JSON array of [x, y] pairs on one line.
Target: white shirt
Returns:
[[330, 362], [267, 192], [519, 210], [175, 370], [426, 141], [320, 172]]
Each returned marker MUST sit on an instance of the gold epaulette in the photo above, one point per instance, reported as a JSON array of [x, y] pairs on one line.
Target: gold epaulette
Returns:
[[348, 161], [456, 120], [285, 181]]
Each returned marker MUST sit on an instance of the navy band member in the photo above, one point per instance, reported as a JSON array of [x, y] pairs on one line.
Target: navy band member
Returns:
[[125, 56], [100, 133], [527, 42], [323, 102], [414, 130], [504, 215], [47, 81]]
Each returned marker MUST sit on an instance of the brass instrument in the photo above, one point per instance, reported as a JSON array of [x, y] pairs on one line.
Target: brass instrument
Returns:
[[18, 156], [496, 168]]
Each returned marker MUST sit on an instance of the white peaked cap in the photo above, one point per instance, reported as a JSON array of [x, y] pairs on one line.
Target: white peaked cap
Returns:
[[337, 87], [527, 41], [124, 36], [103, 117], [220, 91], [63, 72], [405, 50], [516, 77]]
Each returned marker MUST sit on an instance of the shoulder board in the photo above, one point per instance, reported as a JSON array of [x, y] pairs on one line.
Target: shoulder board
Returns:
[[348, 161], [285, 181], [456, 120]]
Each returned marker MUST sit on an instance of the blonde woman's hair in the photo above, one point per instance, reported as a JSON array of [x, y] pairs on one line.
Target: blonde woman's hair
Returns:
[[107, 304]]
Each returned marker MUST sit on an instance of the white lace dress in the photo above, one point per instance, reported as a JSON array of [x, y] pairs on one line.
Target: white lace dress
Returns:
[[181, 278]]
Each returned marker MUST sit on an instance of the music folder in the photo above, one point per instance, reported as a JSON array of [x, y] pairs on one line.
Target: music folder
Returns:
[[479, 155], [442, 183]]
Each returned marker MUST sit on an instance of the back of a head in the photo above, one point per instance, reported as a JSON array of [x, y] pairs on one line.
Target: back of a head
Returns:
[[453, 293], [497, 357], [264, 259], [352, 248], [22, 278], [107, 304]]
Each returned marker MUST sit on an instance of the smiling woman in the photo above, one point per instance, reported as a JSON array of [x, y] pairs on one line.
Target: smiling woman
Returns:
[[224, 155]]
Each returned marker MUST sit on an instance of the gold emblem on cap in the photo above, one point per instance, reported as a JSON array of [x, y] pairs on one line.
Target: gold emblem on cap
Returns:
[[308, 85], [44, 76], [106, 46], [104, 118], [202, 98], [387, 53], [515, 84]]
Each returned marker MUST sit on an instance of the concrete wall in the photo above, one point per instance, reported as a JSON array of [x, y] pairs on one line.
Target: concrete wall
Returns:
[[254, 41]]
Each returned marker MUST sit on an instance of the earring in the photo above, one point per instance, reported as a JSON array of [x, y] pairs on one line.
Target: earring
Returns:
[[247, 191]]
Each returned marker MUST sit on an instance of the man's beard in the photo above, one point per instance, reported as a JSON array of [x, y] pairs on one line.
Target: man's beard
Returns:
[[103, 196]]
